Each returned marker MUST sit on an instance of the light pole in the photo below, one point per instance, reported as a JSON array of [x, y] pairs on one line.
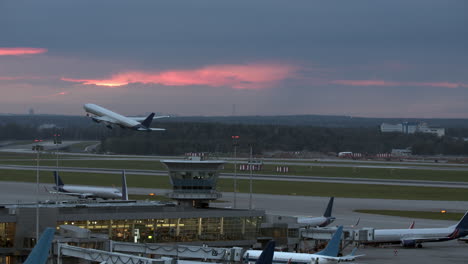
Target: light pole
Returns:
[[235, 143], [37, 148], [250, 168], [57, 141]]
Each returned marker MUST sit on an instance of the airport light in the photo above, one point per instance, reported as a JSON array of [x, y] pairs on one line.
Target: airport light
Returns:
[[235, 143]]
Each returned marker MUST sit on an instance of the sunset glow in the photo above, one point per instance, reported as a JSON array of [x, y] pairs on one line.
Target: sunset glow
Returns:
[[392, 83], [21, 51], [248, 76]]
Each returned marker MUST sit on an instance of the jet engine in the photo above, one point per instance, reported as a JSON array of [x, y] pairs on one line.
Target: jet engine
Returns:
[[408, 243]]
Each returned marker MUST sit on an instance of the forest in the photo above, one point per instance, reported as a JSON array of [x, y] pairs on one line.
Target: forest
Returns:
[[184, 135]]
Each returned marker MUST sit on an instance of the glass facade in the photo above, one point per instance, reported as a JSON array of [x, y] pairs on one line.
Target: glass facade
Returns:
[[175, 229], [7, 234]]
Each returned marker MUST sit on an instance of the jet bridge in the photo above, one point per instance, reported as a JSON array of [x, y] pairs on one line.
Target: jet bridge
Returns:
[[104, 256], [350, 236], [181, 251]]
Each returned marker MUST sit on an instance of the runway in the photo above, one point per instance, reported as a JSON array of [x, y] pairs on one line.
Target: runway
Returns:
[[270, 177]]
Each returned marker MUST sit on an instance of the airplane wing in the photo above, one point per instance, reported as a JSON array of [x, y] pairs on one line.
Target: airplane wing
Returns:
[[80, 195], [151, 129], [103, 118], [140, 119]]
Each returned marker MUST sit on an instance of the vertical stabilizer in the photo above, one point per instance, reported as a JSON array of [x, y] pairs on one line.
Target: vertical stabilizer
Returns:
[[463, 224], [147, 122], [40, 252], [267, 254], [58, 180], [124, 186], [333, 247], [328, 211]]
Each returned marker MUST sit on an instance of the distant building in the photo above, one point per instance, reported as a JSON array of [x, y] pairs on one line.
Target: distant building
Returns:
[[411, 128], [401, 152], [31, 111], [387, 128]]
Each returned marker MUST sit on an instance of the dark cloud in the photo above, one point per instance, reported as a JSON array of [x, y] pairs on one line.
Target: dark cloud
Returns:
[[400, 42]]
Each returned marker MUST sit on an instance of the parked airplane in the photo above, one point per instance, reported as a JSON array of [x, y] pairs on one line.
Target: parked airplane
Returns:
[[40, 252], [109, 118], [414, 237], [91, 191], [266, 257], [322, 221], [327, 255]]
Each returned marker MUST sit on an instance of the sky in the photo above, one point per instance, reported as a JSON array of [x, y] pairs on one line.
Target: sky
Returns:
[[366, 58]]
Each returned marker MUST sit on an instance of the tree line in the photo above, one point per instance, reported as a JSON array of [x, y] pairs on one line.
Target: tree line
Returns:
[[183, 137]]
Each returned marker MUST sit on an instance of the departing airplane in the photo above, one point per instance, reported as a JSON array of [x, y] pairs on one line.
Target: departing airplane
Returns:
[[109, 118], [322, 221], [85, 192], [327, 255], [40, 252], [414, 237]]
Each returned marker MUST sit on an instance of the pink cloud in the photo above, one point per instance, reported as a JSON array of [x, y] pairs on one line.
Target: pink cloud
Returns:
[[51, 95], [248, 76], [392, 83], [21, 51], [7, 78]]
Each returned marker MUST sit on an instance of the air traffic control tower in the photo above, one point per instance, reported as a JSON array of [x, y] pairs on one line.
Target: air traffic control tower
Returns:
[[194, 180]]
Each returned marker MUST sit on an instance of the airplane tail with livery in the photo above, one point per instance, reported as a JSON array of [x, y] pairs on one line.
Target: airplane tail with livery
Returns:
[[461, 229], [124, 187], [58, 181], [328, 211], [266, 257], [333, 247], [40, 252]]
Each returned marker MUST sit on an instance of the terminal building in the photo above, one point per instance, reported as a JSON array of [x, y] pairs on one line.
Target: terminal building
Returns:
[[189, 220]]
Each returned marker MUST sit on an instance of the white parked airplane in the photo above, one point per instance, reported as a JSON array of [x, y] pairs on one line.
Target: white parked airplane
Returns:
[[109, 118], [322, 221], [85, 192], [328, 255], [414, 237]]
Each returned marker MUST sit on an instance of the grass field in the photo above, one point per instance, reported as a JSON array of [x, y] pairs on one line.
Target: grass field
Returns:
[[371, 173], [416, 214], [260, 186]]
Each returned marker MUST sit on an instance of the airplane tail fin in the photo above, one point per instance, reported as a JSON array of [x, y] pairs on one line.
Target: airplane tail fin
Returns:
[[266, 257], [328, 211], [148, 120], [40, 252], [124, 186], [333, 247], [411, 225], [57, 179], [463, 224]]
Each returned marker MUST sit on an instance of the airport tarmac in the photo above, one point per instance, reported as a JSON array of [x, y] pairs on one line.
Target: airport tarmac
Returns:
[[444, 252]]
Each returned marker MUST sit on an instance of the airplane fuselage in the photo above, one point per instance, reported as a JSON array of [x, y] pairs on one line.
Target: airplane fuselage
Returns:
[[315, 221], [251, 256], [90, 192], [421, 234], [117, 118]]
